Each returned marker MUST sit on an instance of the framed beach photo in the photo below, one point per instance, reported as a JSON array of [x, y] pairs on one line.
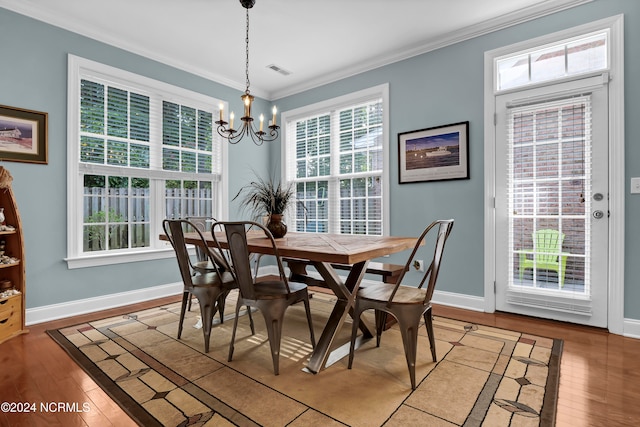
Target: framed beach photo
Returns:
[[434, 154], [23, 135]]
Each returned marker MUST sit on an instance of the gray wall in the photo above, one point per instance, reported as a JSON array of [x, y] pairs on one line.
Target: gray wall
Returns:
[[440, 87]]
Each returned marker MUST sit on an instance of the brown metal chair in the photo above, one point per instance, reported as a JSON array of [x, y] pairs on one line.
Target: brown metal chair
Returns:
[[210, 288], [271, 297], [408, 304], [203, 262]]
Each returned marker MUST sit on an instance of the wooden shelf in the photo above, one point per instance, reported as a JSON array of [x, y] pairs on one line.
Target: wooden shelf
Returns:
[[12, 308], [9, 265]]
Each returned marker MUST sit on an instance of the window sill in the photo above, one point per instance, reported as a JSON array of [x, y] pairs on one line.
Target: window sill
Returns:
[[122, 258]]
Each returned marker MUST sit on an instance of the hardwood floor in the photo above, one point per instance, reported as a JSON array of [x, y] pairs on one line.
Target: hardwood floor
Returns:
[[599, 375]]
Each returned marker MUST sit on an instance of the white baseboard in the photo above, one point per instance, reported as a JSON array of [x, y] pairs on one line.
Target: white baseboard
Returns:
[[631, 328], [89, 305], [467, 302]]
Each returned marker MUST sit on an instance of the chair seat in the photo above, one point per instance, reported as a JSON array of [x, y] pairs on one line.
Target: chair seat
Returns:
[[212, 279], [204, 267], [277, 288], [382, 292]]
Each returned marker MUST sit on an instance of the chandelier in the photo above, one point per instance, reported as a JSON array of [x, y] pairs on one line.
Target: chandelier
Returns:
[[226, 129]]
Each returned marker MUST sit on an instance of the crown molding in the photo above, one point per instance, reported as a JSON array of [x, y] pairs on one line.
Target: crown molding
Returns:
[[505, 21], [546, 8]]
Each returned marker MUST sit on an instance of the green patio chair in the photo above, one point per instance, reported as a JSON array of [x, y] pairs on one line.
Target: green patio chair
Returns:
[[547, 255]]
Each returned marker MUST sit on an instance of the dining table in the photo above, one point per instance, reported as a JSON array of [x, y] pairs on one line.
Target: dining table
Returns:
[[322, 251]]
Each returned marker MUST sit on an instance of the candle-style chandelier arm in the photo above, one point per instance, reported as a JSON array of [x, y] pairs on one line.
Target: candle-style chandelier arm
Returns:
[[235, 135]]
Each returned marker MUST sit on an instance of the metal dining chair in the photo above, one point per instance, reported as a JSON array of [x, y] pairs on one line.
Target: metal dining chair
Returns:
[[210, 288], [271, 297], [408, 304], [203, 263]]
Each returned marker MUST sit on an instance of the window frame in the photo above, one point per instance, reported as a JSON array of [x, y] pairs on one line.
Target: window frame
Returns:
[[330, 106], [81, 68]]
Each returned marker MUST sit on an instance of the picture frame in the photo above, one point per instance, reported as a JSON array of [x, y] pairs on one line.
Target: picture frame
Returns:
[[434, 154], [23, 135]]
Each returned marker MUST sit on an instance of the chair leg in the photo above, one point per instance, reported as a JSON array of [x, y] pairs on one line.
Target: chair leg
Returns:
[[207, 299], [381, 321], [186, 296], [253, 328], [273, 316], [307, 308], [357, 312], [235, 327], [428, 323], [409, 331], [221, 303]]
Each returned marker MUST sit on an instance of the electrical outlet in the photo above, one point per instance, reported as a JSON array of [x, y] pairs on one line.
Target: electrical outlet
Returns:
[[635, 185], [418, 264]]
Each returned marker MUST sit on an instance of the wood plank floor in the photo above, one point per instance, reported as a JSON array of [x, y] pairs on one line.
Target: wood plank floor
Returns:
[[599, 384]]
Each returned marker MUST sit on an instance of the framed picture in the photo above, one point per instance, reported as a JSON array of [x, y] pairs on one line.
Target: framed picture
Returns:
[[23, 135], [434, 154]]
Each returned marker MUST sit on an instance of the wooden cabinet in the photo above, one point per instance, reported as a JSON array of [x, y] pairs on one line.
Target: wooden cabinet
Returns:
[[12, 302]]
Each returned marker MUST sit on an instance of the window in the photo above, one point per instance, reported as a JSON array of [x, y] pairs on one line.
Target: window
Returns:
[[139, 151], [568, 58], [336, 154]]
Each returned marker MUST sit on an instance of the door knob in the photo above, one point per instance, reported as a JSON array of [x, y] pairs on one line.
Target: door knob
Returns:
[[598, 214]]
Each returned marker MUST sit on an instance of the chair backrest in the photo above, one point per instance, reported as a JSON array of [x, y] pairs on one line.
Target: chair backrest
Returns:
[[548, 245], [236, 237], [200, 223], [443, 229], [174, 229]]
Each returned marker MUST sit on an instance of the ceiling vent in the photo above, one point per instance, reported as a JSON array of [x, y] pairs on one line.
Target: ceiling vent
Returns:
[[277, 69]]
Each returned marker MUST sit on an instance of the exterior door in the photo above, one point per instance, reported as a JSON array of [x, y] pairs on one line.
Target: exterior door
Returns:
[[552, 202]]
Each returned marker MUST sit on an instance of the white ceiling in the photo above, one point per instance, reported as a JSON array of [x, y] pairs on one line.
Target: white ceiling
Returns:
[[318, 41]]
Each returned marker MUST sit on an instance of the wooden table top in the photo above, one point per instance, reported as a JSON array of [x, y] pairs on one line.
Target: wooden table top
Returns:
[[332, 248]]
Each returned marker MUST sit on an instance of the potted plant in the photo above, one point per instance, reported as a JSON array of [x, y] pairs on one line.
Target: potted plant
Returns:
[[266, 197]]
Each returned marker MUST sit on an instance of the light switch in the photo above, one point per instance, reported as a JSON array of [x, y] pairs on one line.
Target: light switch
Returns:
[[635, 185]]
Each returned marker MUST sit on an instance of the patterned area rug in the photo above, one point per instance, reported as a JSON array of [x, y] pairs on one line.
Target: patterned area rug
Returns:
[[484, 375]]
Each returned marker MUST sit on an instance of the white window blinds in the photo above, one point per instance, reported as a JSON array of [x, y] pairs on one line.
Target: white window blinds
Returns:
[[549, 183]]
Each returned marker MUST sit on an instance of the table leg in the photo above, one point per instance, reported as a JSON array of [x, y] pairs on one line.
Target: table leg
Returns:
[[346, 293]]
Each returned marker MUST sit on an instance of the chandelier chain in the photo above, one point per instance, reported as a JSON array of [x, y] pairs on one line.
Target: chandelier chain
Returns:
[[247, 53]]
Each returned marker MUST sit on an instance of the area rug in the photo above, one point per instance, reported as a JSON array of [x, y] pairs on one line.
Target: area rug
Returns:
[[484, 375]]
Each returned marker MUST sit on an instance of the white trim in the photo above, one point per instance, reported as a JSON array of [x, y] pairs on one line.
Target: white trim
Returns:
[[616, 178], [616, 323], [51, 312], [631, 328], [114, 258], [466, 302]]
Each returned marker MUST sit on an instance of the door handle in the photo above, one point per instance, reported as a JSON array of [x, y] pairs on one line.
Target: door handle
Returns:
[[598, 214]]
